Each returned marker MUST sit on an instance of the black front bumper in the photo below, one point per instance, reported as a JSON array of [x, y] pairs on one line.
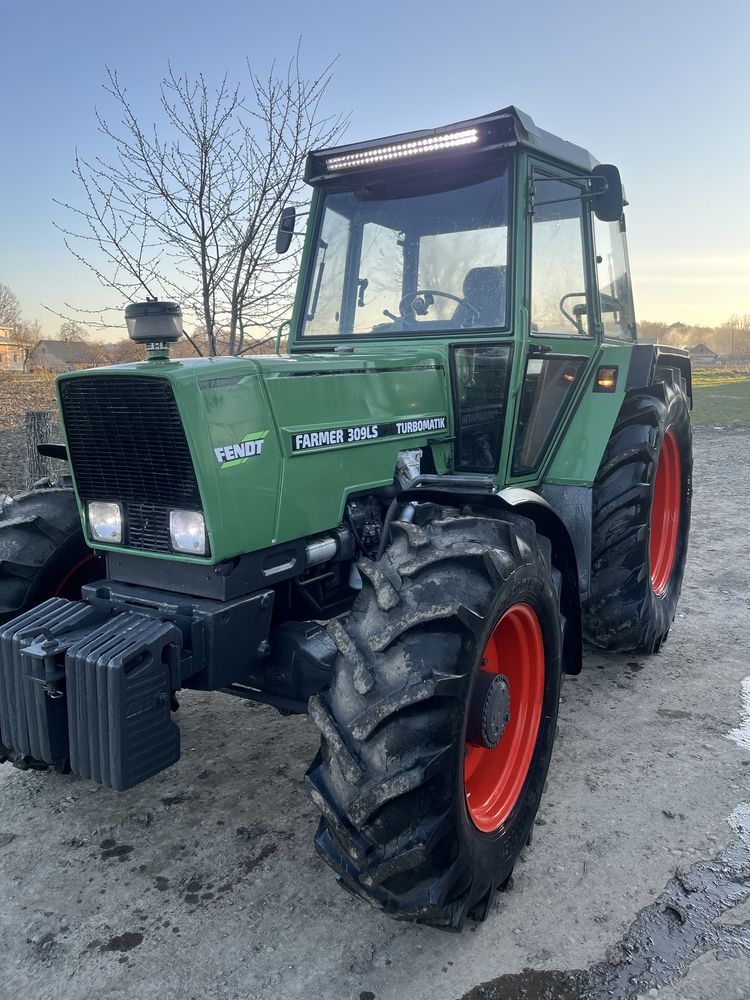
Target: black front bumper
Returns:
[[90, 682]]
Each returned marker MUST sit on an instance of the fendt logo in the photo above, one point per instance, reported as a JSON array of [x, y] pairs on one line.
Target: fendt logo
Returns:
[[237, 454]]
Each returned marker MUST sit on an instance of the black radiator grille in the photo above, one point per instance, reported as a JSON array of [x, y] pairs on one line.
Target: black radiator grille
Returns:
[[127, 443], [147, 527]]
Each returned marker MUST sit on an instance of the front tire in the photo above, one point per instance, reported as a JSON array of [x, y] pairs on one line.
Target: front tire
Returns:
[[459, 606], [641, 521]]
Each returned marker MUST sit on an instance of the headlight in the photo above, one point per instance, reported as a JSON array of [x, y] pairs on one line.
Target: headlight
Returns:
[[105, 522], [187, 530]]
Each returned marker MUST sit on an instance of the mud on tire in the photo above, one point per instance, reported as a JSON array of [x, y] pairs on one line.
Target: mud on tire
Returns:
[[42, 550], [388, 778], [625, 610]]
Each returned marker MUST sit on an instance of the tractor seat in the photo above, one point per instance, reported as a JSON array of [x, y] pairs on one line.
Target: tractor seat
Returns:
[[484, 288]]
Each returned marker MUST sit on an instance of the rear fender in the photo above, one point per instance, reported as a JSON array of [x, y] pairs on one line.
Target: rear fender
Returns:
[[648, 362]]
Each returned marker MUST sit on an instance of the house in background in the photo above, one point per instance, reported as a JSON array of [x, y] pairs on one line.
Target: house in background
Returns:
[[702, 355], [11, 353], [57, 356]]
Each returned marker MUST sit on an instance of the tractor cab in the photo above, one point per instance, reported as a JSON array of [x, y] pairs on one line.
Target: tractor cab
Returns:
[[483, 227]]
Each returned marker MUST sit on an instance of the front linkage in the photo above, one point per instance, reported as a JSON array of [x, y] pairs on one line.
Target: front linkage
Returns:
[[89, 684]]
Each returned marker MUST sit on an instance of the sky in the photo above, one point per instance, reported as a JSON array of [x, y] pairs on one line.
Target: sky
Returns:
[[660, 88]]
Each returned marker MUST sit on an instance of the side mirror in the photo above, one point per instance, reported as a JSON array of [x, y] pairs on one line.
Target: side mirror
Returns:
[[609, 199], [286, 229]]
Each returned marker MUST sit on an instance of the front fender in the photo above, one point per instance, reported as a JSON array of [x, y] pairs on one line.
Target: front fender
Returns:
[[480, 493]]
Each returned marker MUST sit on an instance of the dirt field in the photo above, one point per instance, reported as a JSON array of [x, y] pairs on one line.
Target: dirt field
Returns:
[[203, 883]]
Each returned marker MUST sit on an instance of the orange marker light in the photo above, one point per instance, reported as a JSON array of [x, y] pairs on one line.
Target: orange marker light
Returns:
[[606, 379]]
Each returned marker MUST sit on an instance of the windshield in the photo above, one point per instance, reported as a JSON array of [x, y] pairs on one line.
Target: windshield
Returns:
[[416, 257]]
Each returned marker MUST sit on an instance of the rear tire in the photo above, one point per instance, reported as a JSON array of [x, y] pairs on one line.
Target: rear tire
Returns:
[[42, 551], [641, 521], [392, 774]]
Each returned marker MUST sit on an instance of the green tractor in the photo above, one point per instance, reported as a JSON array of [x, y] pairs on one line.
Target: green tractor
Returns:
[[406, 526]]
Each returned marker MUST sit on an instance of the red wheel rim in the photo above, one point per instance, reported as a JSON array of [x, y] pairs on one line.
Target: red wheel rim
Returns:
[[493, 778], [665, 513]]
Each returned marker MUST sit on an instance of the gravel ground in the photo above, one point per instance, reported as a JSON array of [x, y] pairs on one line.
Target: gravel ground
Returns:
[[203, 883]]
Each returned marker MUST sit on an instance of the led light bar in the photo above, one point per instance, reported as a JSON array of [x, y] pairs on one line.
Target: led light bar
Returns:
[[397, 151]]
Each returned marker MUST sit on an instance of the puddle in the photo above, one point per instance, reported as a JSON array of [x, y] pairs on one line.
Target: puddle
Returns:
[[741, 735], [667, 936], [663, 941], [532, 984]]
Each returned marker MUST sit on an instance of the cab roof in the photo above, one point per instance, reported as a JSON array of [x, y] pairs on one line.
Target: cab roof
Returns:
[[506, 128]]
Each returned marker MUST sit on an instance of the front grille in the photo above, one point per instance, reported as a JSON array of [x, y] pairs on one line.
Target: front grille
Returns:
[[127, 443], [147, 527]]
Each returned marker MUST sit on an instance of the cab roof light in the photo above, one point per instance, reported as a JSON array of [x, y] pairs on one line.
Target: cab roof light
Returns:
[[400, 150]]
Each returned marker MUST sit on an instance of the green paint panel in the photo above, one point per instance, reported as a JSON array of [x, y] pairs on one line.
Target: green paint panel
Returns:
[[576, 460], [365, 397]]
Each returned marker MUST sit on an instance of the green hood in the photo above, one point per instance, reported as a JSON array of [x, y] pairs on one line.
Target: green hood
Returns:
[[279, 442]]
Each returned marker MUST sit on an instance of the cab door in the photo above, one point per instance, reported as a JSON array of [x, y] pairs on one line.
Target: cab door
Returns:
[[563, 336]]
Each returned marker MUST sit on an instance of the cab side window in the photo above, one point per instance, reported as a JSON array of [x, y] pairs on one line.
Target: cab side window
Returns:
[[615, 297], [547, 385], [559, 300]]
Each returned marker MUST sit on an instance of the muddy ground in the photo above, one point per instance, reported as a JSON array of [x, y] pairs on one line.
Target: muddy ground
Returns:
[[203, 883]]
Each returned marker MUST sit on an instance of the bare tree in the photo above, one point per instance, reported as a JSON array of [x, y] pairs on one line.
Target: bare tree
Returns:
[[124, 351], [27, 336], [186, 209], [10, 308], [72, 333], [736, 333]]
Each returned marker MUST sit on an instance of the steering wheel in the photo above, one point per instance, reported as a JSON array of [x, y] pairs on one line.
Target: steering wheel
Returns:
[[417, 303], [578, 311]]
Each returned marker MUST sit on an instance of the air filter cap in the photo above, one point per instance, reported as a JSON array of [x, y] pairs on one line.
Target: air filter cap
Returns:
[[154, 322]]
